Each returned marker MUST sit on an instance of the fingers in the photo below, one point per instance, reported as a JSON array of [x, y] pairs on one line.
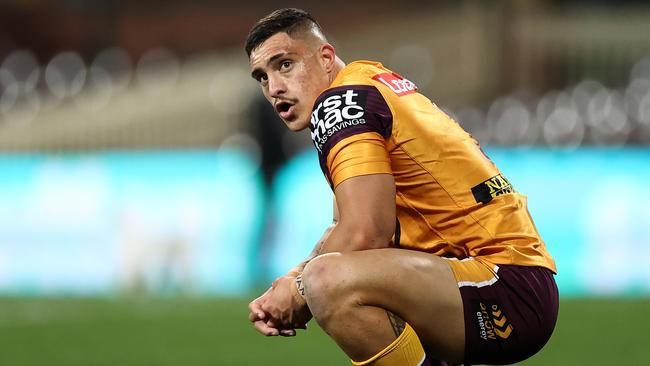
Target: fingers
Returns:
[[255, 307], [266, 330], [266, 307], [255, 311], [288, 333], [282, 329], [286, 330], [270, 328]]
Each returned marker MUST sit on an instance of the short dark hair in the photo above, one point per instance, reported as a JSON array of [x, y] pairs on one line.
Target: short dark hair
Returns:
[[287, 20]]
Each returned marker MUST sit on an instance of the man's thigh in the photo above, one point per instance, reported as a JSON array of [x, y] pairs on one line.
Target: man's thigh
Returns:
[[418, 287]]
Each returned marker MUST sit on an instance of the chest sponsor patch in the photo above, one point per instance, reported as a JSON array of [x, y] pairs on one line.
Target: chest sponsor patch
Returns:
[[485, 191], [396, 83], [337, 111]]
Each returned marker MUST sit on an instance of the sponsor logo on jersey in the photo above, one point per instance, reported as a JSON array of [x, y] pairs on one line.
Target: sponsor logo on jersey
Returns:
[[396, 83], [485, 191], [340, 110], [492, 322]]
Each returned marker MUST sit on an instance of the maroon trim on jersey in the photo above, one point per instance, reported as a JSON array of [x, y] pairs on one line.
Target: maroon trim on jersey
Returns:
[[345, 111]]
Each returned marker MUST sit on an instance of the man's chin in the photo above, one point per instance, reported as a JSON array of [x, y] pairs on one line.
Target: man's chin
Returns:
[[296, 125]]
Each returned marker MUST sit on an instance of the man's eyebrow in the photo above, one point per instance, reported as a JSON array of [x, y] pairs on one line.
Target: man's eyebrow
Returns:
[[257, 72]]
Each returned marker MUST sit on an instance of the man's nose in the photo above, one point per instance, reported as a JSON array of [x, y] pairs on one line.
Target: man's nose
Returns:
[[277, 87]]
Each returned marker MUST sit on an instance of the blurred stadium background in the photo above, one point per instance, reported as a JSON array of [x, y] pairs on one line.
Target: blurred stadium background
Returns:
[[147, 192]]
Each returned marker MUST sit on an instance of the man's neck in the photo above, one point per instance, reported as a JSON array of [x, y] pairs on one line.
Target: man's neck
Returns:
[[338, 66]]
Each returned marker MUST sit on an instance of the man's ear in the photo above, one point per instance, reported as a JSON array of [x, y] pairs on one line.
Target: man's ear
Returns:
[[327, 56]]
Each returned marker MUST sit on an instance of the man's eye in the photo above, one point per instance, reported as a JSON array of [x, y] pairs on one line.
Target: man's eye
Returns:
[[263, 79], [285, 65]]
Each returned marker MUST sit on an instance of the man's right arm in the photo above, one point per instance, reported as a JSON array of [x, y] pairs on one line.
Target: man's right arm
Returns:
[[257, 315], [318, 247]]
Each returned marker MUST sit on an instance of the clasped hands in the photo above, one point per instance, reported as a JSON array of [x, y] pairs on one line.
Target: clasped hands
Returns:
[[280, 310]]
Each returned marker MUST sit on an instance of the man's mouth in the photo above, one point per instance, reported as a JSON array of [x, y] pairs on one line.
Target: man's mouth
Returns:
[[284, 109]]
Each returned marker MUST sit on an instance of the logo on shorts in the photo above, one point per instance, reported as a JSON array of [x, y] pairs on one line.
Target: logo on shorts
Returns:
[[492, 322], [396, 83], [338, 111], [485, 191]]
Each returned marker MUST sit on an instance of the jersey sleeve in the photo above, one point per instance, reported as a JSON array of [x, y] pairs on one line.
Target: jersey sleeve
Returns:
[[349, 127]]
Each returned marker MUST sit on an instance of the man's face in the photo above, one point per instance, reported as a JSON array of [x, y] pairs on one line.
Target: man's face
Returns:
[[291, 75]]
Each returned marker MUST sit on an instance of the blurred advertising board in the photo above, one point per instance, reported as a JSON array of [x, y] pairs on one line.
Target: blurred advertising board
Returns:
[[194, 221], [153, 222]]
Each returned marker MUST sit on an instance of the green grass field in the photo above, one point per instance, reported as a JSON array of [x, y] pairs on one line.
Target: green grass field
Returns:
[[188, 332]]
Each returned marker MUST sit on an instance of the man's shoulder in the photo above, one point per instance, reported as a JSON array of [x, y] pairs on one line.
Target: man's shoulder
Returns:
[[353, 81], [352, 105], [358, 73], [367, 77], [373, 74]]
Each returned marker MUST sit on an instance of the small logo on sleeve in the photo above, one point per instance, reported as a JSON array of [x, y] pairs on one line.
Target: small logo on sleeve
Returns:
[[396, 83], [485, 191]]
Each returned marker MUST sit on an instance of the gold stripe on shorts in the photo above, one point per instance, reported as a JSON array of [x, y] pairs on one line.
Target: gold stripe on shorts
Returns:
[[473, 272]]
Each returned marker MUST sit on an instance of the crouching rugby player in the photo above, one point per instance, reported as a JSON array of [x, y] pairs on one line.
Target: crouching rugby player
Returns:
[[432, 254]]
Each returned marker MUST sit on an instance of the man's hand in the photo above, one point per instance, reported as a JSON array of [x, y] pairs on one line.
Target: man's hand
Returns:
[[259, 318], [287, 308], [279, 311]]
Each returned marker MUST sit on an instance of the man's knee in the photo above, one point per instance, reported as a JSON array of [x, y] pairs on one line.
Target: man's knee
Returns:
[[328, 287]]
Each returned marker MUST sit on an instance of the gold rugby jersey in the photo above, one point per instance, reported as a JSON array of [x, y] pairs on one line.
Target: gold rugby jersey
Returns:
[[452, 200]]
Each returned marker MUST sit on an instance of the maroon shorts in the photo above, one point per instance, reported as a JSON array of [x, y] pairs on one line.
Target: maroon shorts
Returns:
[[510, 311]]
